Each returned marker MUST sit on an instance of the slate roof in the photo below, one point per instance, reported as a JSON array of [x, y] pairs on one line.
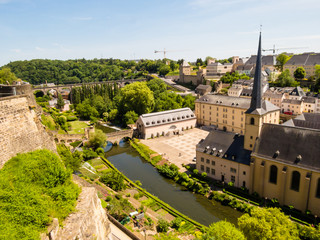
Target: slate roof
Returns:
[[297, 91], [292, 101], [165, 117], [266, 60], [305, 120], [309, 99], [271, 94], [203, 87], [230, 146], [225, 101], [307, 59], [290, 142]]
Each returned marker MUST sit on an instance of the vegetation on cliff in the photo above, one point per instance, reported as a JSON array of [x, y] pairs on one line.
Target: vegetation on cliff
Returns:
[[34, 188], [39, 71]]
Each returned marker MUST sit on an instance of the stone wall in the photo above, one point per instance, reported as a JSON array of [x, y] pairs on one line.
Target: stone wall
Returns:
[[20, 127], [89, 221]]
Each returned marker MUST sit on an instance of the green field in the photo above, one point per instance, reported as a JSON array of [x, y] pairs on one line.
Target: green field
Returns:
[[77, 127]]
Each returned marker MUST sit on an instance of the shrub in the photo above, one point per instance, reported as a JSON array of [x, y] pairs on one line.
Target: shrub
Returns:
[[108, 199], [162, 226]]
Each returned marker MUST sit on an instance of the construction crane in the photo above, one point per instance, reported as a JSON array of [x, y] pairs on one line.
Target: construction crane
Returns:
[[274, 50], [164, 52]]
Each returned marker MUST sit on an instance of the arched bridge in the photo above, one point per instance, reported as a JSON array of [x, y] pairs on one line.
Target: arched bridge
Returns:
[[121, 83], [117, 136]]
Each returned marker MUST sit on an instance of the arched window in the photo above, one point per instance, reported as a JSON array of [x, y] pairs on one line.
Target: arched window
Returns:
[[318, 189], [252, 121], [273, 174], [295, 181]]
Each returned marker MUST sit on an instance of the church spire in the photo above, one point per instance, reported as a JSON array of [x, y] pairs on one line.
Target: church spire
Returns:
[[256, 99]]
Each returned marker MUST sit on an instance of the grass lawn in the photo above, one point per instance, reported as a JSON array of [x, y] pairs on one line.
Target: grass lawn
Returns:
[[77, 127]]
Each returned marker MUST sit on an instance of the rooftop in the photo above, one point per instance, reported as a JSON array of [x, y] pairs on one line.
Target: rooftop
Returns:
[[305, 120], [225, 145], [165, 117], [290, 142], [225, 101]]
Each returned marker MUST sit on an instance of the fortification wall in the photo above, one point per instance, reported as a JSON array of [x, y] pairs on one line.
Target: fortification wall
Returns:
[[20, 127]]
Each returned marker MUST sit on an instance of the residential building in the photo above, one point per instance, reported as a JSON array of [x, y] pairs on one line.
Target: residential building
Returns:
[[224, 112], [292, 106], [274, 96], [203, 89], [165, 123], [306, 60], [216, 68]]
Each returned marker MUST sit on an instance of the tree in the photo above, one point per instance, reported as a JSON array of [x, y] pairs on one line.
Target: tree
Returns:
[[97, 139], [60, 101], [285, 79], [299, 73], [131, 117], [137, 97], [267, 223], [173, 65], [164, 70], [281, 60], [6, 76], [199, 62], [71, 160], [162, 226], [317, 71], [223, 230]]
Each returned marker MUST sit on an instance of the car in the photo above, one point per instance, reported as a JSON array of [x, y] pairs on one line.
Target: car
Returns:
[[194, 159]]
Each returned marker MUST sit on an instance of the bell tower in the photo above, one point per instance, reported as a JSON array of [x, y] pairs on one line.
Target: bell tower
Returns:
[[254, 115]]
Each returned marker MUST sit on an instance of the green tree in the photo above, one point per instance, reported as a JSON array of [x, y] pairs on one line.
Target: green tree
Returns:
[[131, 117], [199, 62], [267, 223], [97, 139], [113, 114], [285, 79], [164, 70], [71, 160], [137, 97], [113, 179], [281, 60], [60, 101], [6, 76], [162, 226], [317, 71], [173, 65], [223, 230], [299, 73]]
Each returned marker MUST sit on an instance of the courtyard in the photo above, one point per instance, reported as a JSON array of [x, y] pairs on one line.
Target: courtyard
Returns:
[[178, 149]]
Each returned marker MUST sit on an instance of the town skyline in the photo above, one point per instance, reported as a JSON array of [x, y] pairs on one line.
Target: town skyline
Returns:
[[134, 30]]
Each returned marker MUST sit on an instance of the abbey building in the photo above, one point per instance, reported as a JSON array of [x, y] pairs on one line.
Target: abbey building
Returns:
[[249, 148]]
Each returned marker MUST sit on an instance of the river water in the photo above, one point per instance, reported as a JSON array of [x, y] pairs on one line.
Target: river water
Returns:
[[195, 206]]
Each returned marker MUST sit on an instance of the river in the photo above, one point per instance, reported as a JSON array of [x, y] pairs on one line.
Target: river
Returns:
[[195, 206]]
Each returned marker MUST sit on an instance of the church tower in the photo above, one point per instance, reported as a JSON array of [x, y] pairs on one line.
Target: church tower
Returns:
[[255, 114]]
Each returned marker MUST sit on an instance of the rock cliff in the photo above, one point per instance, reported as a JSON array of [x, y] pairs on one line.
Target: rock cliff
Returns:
[[89, 222], [20, 127]]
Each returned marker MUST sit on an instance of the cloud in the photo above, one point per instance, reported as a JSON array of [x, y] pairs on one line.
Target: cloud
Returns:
[[16, 50], [81, 18], [39, 49]]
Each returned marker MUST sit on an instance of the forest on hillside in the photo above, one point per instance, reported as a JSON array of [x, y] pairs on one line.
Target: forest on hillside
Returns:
[[40, 71]]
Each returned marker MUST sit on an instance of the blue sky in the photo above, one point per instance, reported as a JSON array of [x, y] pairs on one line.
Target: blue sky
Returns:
[[129, 29]]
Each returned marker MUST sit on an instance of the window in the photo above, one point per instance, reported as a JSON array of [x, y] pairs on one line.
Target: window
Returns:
[[252, 121], [202, 159], [273, 174], [233, 178], [318, 189], [208, 161], [213, 171], [213, 163], [233, 170], [251, 145], [295, 181], [244, 172], [207, 169], [251, 137], [244, 184], [202, 168]]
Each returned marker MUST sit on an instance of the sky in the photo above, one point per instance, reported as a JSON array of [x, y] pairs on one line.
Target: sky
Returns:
[[134, 29]]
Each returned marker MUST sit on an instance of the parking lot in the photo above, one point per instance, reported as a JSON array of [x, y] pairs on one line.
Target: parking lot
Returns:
[[178, 149]]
